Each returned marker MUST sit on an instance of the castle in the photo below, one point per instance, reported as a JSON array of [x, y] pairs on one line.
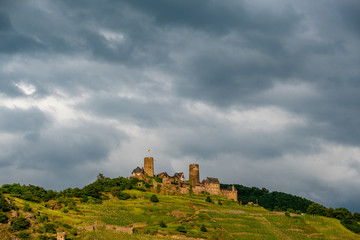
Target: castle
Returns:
[[178, 184]]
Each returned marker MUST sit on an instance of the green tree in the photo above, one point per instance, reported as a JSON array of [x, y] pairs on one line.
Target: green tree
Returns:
[[162, 224], [24, 235], [3, 218], [342, 214], [317, 209], [154, 198], [50, 228], [27, 208], [357, 216], [203, 228], [4, 205], [208, 199], [181, 228], [123, 196], [21, 223]]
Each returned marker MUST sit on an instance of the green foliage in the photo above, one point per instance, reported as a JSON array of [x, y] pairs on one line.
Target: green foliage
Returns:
[[284, 201], [277, 209], [351, 224], [162, 224], [268, 199], [158, 179], [203, 228], [123, 196], [102, 184], [154, 198], [357, 216], [43, 218], [20, 223], [50, 228], [219, 203], [3, 218], [208, 199], [27, 208], [4, 205], [29, 193], [287, 213], [24, 235], [181, 228], [92, 200], [115, 191], [342, 214], [43, 237], [317, 209]]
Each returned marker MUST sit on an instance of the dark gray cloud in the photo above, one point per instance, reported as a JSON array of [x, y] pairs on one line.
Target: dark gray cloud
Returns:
[[22, 121], [237, 86]]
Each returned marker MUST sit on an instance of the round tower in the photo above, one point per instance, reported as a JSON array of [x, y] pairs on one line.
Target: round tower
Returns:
[[194, 174], [149, 166]]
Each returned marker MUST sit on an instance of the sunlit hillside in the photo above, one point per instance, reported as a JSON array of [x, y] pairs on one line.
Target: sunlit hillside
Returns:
[[180, 217]]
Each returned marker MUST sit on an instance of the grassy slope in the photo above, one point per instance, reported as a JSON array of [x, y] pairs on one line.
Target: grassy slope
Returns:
[[228, 221]]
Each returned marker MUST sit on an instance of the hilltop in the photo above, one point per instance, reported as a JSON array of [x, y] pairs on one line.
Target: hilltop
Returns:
[[125, 211]]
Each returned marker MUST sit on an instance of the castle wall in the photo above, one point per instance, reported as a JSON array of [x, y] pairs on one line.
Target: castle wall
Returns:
[[194, 176], [149, 166], [232, 194], [213, 188], [198, 189]]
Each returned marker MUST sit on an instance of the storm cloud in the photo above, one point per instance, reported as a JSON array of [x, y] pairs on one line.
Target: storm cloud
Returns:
[[260, 93]]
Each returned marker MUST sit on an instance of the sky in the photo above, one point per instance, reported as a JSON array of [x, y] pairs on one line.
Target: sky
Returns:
[[261, 93]]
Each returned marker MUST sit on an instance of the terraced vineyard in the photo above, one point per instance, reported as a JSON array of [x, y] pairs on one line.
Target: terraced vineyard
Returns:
[[226, 221], [182, 217]]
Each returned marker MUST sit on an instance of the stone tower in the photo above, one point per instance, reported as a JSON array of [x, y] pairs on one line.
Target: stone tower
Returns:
[[194, 174], [149, 166]]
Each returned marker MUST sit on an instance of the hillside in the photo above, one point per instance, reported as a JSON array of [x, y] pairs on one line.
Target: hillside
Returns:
[[172, 217]]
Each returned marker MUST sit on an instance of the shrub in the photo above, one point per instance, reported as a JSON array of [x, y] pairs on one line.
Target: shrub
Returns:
[[203, 228], [43, 218], [50, 228], [158, 179], [115, 191], [162, 224], [94, 200], [20, 223], [219, 202], [67, 226], [181, 228], [73, 231], [154, 198], [27, 208], [24, 235], [123, 196], [43, 237], [4, 205], [84, 199], [3, 218], [277, 209], [65, 210], [287, 213], [208, 199]]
